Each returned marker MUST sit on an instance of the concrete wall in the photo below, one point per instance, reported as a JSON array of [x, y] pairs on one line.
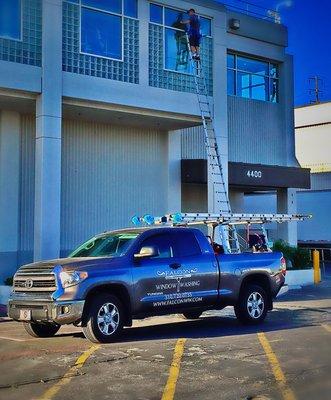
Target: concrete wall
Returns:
[[109, 174]]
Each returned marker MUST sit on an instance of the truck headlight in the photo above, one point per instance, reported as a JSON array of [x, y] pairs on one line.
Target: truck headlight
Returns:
[[72, 278]]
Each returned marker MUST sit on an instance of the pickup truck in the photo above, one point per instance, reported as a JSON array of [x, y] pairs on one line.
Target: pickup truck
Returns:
[[128, 274]]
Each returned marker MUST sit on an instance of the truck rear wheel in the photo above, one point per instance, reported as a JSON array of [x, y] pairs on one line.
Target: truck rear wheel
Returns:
[[41, 330], [105, 319], [192, 314], [252, 306]]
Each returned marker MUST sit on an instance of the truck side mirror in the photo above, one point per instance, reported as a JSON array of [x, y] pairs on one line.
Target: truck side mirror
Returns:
[[146, 252]]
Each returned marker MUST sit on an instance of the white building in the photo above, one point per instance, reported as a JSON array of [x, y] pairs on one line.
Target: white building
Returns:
[[99, 119], [313, 144]]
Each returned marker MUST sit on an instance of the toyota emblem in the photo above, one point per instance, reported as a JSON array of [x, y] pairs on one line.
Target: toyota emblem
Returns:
[[28, 284]]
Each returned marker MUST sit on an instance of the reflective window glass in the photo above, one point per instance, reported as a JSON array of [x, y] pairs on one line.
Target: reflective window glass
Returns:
[[231, 82], [273, 91], [243, 84], [174, 18], [163, 244], [10, 19], [131, 8], [176, 51], [230, 61], [156, 14], [107, 5], [254, 66], [274, 70], [186, 245], [259, 87], [205, 26], [101, 34]]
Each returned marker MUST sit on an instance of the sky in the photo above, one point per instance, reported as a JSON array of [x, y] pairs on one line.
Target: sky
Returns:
[[309, 36]]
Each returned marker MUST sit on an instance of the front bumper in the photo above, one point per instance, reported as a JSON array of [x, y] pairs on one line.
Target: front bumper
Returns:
[[60, 312]]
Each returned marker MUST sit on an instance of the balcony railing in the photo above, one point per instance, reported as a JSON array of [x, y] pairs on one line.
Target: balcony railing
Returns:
[[253, 10]]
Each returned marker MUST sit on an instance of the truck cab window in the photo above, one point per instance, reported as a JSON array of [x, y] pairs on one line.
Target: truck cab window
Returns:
[[163, 244], [187, 244]]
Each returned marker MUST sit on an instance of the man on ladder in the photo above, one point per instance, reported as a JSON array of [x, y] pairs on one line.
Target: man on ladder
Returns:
[[194, 33]]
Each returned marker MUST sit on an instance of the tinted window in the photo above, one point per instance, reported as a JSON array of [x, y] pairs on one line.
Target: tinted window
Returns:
[[173, 18], [163, 243], [10, 19], [156, 14], [130, 8], [205, 26], [101, 34], [187, 245], [231, 82], [230, 61], [251, 65], [107, 5], [107, 245]]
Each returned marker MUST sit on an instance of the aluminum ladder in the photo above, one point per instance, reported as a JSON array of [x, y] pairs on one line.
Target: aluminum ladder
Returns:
[[229, 236]]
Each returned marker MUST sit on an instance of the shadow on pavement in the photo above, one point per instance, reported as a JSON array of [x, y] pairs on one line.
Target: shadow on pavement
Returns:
[[216, 326]]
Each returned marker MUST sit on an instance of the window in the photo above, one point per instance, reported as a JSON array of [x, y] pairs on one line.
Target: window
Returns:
[[10, 19], [102, 26], [176, 54], [163, 243], [252, 78], [111, 245], [187, 245]]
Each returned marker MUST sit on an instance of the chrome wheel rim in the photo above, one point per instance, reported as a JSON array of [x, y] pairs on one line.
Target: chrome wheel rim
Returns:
[[108, 319], [255, 305]]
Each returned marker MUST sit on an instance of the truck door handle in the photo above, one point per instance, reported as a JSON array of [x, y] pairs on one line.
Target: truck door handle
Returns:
[[175, 266]]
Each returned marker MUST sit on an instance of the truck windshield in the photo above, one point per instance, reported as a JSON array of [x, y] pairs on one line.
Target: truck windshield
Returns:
[[111, 245]]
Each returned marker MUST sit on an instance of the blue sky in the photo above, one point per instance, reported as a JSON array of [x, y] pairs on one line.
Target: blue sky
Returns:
[[309, 29]]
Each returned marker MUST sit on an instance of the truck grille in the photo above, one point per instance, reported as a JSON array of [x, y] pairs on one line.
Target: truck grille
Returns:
[[35, 279]]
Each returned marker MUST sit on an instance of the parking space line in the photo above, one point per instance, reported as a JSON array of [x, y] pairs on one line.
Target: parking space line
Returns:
[[169, 390], [326, 327], [287, 393], [51, 392]]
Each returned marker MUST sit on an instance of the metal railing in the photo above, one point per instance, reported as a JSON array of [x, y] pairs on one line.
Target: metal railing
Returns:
[[253, 9]]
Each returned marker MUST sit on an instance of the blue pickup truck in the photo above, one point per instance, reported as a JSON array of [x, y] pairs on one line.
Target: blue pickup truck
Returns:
[[128, 274]]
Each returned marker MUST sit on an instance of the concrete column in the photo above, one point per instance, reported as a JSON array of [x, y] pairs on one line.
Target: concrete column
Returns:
[[48, 137], [220, 104], [287, 204], [174, 177], [287, 101], [9, 191], [237, 201], [143, 15]]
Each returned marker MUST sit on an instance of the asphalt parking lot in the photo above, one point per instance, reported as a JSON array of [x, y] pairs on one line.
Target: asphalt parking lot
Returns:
[[288, 357]]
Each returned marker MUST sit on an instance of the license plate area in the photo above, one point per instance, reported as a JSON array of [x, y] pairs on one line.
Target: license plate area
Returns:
[[25, 314]]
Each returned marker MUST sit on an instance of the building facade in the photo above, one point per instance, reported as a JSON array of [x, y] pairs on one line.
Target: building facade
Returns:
[[100, 121], [313, 143]]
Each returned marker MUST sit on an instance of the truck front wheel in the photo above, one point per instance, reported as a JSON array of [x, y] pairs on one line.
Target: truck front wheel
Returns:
[[105, 319], [252, 306], [41, 330]]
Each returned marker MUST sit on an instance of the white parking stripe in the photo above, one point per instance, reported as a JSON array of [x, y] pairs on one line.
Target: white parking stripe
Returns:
[[13, 339]]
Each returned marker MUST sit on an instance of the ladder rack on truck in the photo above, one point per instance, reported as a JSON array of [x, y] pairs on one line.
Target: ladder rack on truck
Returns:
[[222, 220]]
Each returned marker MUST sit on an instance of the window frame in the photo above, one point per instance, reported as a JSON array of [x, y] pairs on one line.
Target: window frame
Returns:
[[164, 27], [20, 26], [122, 16], [269, 77]]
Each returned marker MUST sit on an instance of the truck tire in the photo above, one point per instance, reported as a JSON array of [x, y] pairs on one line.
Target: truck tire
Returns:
[[192, 314], [105, 319], [40, 330], [252, 306]]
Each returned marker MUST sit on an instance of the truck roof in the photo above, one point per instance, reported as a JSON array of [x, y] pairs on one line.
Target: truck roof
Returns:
[[138, 230]]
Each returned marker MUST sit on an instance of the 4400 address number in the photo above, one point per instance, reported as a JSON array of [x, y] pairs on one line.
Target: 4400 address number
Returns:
[[254, 174]]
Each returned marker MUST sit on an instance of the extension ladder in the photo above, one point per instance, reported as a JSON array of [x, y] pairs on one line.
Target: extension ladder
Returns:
[[229, 236]]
